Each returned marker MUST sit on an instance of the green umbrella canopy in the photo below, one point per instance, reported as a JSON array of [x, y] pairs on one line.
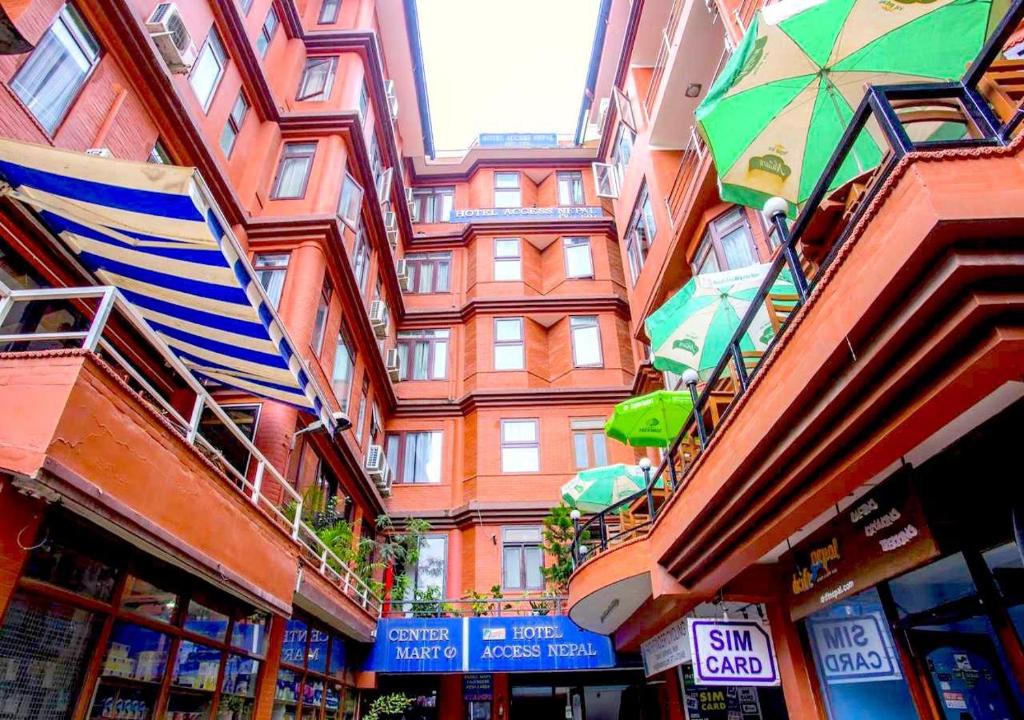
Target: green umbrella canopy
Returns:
[[693, 328], [597, 488], [776, 113], [652, 420]]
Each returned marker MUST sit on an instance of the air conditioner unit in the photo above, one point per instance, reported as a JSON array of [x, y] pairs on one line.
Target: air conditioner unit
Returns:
[[167, 28], [392, 365], [408, 194], [389, 91], [377, 468], [402, 270], [602, 111], [379, 318], [103, 152], [393, 239], [390, 220]]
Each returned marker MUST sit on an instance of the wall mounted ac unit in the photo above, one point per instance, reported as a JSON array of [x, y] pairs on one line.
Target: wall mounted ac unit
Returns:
[[172, 38], [408, 194], [389, 92], [390, 220], [402, 270], [377, 468], [393, 365], [393, 239], [379, 318]]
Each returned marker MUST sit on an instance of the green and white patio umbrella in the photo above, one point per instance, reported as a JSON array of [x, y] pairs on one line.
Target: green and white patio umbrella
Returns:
[[776, 113], [651, 420], [693, 328], [597, 488]]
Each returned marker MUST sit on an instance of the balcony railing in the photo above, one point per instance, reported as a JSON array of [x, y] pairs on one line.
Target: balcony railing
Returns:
[[987, 102], [668, 35], [518, 606], [69, 318], [680, 195]]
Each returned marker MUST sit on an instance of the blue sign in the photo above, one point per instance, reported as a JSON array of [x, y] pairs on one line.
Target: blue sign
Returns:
[[518, 140], [521, 214], [485, 645]]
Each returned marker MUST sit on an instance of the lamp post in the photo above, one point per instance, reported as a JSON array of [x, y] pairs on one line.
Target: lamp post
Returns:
[[690, 378], [775, 213], [645, 466]]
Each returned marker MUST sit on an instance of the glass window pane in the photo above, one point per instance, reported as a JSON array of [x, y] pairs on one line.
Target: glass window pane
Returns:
[[508, 248], [586, 341], [147, 599], [534, 560], [522, 534], [137, 653], [508, 329], [600, 449], [440, 369], [286, 694], [44, 648], [196, 666], [338, 655], [738, 246], [250, 632], [442, 275], [207, 70], [240, 674], [426, 279], [312, 698], [519, 431], [516, 459], [293, 649], [206, 621], [58, 562], [506, 180], [579, 441], [507, 270], [938, 583], [512, 577], [316, 658], [431, 567], [508, 357]]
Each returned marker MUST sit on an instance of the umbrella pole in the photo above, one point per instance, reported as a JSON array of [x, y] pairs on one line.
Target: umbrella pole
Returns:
[[832, 90]]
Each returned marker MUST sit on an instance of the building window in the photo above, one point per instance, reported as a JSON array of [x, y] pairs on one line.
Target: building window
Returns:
[[271, 269], [415, 457], [423, 355], [213, 429], [293, 170], [234, 124], [159, 155], [578, 261], [361, 259], [428, 577], [429, 272], [640, 233], [622, 151], [208, 70], [522, 559], [364, 102], [351, 200], [52, 76], [520, 446], [317, 79], [312, 658], [267, 32], [432, 205], [727, 244], [245, 5], [570, 188], [375, 423], [329, 10], [586, 341], [344, 369], [507, 260], [588, 443], [506, 190], [364, 399], [323, 309], [508, 344]]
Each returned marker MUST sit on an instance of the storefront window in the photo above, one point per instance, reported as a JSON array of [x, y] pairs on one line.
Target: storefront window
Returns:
[[313, 662], [147, 599], [1004, 562], [857, 664]]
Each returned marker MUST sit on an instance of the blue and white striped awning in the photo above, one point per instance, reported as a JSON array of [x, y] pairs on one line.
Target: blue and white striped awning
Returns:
[[153, 232]]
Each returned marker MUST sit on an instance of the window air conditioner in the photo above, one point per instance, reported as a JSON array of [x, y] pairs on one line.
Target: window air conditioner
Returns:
[[390, 220], [379, 318], [393, 366], [377, 468], [167, 28], [402, 270]]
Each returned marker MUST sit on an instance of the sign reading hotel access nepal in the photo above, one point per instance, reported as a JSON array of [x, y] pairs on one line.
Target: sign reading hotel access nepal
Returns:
[[667, 649], [853, 649], [484, 645], [520, 214], [732, 652], [881, 535], [518, 140]]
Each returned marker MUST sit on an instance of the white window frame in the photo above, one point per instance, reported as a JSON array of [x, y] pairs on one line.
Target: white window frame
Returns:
[[518, 189], [502, 260], [624, 108], [304, 94], [582, 324], [519, 343], [214, 46], [533, 467], [349, 211], [573, 242], [606, 179]]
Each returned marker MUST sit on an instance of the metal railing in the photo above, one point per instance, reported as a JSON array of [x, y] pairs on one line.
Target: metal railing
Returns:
[[730, 378], [680, 195], [668, 36], [96, 306], [519, 606]]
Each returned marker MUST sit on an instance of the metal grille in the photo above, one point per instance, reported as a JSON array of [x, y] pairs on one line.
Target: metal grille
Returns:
[[44, 647]]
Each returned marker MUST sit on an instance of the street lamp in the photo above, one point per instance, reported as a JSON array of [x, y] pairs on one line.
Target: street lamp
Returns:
[[690, 378], [645, 467], [774, 212]]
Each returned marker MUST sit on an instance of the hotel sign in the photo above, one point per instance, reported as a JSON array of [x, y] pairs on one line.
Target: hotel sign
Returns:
[[524, 214], [518, 140], [485, 645], [881, 535], [732, 652]]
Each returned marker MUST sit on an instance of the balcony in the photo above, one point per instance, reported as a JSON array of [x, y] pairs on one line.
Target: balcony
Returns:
[[115, 427], [903, 334]]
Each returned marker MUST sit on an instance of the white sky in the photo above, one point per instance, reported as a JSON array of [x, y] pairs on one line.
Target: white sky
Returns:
[[499, 66]]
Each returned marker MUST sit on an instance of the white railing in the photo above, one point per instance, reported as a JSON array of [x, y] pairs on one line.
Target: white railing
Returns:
[[108, 302]]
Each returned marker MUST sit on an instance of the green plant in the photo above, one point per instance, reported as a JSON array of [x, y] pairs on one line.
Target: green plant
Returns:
[[400, 550], [388, 706], [427, 603], [558, 537], [479, 604]]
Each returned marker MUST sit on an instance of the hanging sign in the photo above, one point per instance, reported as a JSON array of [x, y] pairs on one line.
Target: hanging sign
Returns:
[[667, 649], [853, 649], [718, 702], [881, 535], [518, 140], [732, 652], [417, 645]]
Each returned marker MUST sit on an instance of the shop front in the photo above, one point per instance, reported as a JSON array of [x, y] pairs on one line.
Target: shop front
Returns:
[[500, 668], [910, 602], [95, 628]]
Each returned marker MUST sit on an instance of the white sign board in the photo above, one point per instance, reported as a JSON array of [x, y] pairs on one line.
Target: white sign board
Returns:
[[667, 649], [732, 652], [854, 649]]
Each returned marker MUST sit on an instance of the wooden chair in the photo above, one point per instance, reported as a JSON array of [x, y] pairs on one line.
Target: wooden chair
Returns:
[[1003, 87]]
